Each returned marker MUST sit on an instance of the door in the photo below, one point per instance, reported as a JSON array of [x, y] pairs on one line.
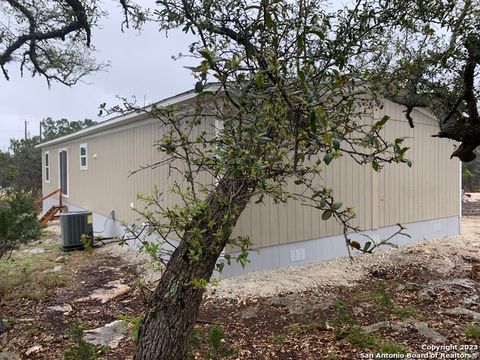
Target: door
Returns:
[[63, 171]]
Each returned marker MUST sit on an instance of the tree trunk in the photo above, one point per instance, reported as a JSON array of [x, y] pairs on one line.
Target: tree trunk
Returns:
[[166, 328]]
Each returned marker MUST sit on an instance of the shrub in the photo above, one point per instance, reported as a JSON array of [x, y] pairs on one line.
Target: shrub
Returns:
[[196, 337], [80, 350], [362, 339], [390, 347], [215, 337], [472, 332], [134, 322], [18, 220], [405, 312], [279, 339]]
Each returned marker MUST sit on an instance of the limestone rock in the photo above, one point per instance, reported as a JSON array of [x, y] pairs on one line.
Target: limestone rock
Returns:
[[475, 272], [109, 335], [471, 301], [34, 251], [249, 312], [426, 295], [56, 268], [450, 285], [465, 312], [66, 309], [402, 326], [9, 356], [33, 349], [441, 265], [377, 326], [299, 305], [429, 333], [113, 289]]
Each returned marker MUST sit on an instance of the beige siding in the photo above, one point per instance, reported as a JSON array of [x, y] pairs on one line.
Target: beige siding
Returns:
[[108, 184], [427, 190], [286, 223], [398, 194]]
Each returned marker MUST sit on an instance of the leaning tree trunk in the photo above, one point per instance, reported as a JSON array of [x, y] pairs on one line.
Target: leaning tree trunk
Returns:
[[166, 328]]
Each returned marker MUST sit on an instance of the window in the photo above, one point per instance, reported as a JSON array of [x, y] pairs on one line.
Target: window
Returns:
[[47, 166], [83, 157]]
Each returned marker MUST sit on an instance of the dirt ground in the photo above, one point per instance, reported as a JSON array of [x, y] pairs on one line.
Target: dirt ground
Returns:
[[412, 302]]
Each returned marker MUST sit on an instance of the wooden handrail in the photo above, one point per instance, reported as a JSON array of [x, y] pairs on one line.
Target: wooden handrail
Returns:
[[59, 191]]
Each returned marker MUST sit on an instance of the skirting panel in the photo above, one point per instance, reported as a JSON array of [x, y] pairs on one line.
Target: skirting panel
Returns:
[[313, 251]]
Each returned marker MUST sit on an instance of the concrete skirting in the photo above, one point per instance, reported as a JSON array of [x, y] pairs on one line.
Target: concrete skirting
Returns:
[[300, 252], [316, 250]]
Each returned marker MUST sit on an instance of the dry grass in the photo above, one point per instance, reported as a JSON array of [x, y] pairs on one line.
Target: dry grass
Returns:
[[26, 276]]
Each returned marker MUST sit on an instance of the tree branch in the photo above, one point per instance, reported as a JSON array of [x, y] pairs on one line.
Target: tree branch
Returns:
[[33, 35]]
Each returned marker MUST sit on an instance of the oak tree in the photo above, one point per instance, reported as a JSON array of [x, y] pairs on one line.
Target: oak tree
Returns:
[[53, 39], [292, 95], [294, 80]]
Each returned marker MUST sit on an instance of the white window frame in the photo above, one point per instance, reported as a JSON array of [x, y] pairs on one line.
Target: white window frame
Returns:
[[47, 166], [84, 146]]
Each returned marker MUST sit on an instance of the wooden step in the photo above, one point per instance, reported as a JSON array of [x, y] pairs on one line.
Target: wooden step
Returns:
[[52, 214]]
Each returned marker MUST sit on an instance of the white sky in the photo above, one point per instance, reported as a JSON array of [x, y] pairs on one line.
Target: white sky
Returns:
[[141, 65]]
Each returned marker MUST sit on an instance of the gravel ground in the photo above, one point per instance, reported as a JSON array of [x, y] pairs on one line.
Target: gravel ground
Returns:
[[471, 204], [439, 255]]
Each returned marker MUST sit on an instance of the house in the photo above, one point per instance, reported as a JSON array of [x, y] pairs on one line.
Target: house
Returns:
[[92, 166]]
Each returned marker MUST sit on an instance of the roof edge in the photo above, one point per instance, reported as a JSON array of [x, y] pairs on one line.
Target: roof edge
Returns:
[[128, 117]]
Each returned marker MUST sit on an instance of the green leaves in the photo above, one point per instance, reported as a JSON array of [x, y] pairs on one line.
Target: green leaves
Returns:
[[206, 53], [336, 205], [327, 214], [367, 246], [18, 220], [243, 259], [327, 158], [427, 30], [336, 144], [269, 23], [401, 151], [381, 123], [373, 244], [199, 86], [200, 283], [313, 122], [259, 80]]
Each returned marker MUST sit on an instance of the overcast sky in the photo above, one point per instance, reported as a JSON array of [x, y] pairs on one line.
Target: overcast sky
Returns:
[[141, 65]]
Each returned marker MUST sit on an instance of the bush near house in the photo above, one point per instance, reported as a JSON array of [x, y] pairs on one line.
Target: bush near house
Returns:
[[18, 220]]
